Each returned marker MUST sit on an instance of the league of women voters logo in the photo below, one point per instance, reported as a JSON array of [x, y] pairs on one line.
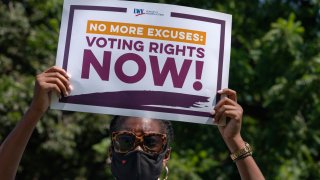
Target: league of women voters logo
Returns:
[[139, 12], [166, 55]]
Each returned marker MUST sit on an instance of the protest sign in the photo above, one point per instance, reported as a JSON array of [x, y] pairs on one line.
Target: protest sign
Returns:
[[143, 59]]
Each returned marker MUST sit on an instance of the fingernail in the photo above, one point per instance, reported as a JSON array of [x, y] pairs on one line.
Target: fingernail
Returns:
[[67, 94], [70, 87], [220, 91], [213, 112], [69, 75]]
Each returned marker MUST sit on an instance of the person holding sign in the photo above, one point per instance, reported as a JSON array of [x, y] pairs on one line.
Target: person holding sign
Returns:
[[140, 146]]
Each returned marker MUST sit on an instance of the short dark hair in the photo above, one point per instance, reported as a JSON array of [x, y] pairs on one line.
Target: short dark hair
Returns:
[[166, 125]]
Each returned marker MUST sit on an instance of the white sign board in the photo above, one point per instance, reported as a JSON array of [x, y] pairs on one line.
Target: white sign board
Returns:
[[143, 59]]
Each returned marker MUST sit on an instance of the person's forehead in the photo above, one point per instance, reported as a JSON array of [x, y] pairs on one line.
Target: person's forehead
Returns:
[[137, 124]]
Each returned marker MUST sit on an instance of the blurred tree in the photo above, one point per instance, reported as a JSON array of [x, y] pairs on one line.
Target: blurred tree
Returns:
[[275, 67]]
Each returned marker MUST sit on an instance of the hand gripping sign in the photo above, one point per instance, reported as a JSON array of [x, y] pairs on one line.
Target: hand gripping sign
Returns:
[[143, 59]]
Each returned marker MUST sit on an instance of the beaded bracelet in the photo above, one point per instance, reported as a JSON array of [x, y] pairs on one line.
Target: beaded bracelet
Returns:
[[243, 156], [242, 153]]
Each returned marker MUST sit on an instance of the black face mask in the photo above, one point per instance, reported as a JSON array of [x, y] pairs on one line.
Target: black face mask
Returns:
[[136, 165]]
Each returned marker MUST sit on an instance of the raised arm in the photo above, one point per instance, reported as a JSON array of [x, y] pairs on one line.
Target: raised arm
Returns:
[[229, 108], [53, 80]]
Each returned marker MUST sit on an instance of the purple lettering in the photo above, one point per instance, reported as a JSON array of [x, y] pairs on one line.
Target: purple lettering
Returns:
[[153, 47], [182, 50], [200, 53], [101, 42], [90, 42], [90, 59], [159, 77], [130, 57], [191, 48]]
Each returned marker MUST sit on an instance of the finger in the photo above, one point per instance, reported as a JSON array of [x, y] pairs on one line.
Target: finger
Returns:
[[230, 93], [220, 103], [58, 82], [224, 101], [228, 107], [54, 78], [220, 112], [63, 79], [218, 117], [60, 70], [212, 113], [231, 113], [234, 115], [48, 87]]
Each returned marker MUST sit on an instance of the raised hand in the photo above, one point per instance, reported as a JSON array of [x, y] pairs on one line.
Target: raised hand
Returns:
[[228, 108], [53, 80]]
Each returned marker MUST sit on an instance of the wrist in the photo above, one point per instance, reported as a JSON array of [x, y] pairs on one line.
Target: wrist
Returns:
[[241, 153], [235, 143], [37, 108], [34, 112]]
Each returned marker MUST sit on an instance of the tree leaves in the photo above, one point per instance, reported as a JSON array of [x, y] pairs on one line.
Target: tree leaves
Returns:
[[275, 68]]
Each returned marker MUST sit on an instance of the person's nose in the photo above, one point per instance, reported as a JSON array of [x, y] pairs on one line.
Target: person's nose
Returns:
[[139, 145]]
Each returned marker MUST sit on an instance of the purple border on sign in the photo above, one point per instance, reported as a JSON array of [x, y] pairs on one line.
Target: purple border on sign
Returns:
[[77, 100], [70, 23], [222, 36]]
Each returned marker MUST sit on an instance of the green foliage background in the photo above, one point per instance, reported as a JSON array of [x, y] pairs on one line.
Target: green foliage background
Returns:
[[275, 68]]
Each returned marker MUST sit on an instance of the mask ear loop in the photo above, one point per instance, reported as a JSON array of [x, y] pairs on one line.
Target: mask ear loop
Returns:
[[166, 167], [167, 172], [109, 158]]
